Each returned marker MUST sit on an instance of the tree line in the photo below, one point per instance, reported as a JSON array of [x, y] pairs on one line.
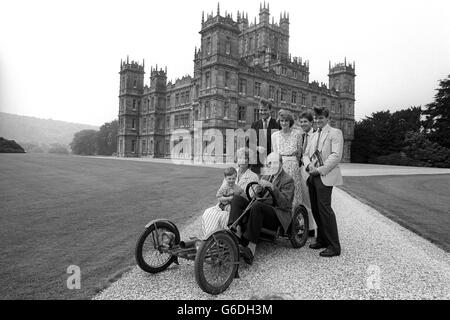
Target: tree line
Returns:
[[414, 136], [93, 142]]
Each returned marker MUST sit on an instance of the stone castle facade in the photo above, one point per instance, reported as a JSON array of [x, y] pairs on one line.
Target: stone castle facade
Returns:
[[237, 64]]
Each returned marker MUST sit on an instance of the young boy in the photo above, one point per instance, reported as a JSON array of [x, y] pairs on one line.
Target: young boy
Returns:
[[216, 218], [228, 189]]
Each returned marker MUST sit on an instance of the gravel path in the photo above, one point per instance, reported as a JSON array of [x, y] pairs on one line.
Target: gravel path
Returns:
[[408, 266]]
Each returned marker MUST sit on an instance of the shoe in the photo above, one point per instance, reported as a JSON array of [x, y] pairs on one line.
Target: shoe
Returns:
[[247, 255], [317, 245], [312, 233], [328, 252]]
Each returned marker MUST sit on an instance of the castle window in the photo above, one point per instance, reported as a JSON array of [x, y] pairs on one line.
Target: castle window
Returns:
[[226, 109], [208, 79], [133, 124], [144, 146], [227, 78], [177, 99], [243, 86], [133, 146], [168, 101], [197, 90], [167, 122], [272, 92], [324, 101], [151, 147], [134, 104], [144, 126], [134, 83], [283, 71], [187, 96], [207, 110], [196, 115], [283, 95], [333, 106], [208, 46], [295, 74], [314, 100], [228, 46], [241, 113], [139, 105], [303, 99], [255, 114], [251, 44], [257, 89], [294, 97]]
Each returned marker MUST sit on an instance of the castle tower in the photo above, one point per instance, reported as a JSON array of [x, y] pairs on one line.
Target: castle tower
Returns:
[[264, 14], [342, 82], [130, 93], [218, 72], [157, 112]]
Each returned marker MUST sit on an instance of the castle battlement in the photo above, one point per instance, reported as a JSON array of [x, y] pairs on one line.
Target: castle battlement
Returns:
[[342, 67]]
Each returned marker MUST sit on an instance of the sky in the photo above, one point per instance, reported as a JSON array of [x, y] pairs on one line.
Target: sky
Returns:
[[59, 59]]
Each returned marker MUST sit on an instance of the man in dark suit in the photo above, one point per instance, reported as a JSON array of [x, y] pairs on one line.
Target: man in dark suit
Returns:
[[264, 215], [264, 128]]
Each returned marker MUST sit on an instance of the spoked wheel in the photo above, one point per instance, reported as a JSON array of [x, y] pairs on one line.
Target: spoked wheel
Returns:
[[299, 227], [151, 248], [216, 262]]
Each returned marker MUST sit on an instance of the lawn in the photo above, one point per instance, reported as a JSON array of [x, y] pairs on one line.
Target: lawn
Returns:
[[57, 211], [420, 203]]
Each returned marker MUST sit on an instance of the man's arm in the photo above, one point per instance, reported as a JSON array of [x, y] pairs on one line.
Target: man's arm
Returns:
[[337, 145], [285, 194]]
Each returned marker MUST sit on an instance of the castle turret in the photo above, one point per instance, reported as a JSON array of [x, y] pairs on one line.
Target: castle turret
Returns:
[[264, 14], [130, 98], [342, 81]]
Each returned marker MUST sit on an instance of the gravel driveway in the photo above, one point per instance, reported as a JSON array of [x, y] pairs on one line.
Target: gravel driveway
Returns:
[[379, 260]]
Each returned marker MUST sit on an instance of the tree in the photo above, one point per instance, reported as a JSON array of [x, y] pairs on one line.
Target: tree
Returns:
[[84, 142], [58, 148], [107, 138], [424, 152], [437, 115], [383, 133]]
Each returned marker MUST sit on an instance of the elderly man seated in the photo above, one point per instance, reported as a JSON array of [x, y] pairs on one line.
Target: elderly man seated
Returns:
[[264, 215]]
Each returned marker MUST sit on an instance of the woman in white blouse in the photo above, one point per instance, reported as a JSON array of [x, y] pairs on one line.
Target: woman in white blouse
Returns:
[[287, 142]]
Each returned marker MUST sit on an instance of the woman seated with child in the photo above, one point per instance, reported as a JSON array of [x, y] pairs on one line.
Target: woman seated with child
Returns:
[[235, 183]]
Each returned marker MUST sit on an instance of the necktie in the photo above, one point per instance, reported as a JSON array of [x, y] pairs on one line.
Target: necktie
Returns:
[[318, 139], [265, 124]]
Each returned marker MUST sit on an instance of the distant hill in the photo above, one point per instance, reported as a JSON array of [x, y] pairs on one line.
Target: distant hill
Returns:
[[24, 129], [10, 146]]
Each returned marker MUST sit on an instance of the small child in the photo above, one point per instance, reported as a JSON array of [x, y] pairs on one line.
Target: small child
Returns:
[[228, 189], [216, 218]]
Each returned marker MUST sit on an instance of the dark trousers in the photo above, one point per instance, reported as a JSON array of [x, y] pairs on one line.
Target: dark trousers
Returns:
[[260, 215], [320, 196]]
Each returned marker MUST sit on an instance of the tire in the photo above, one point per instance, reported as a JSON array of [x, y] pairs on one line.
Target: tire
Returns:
[[298, 233], [145, 248], [206, 260]]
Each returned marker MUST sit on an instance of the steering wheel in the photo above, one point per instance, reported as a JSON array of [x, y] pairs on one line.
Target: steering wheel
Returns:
[[264, 194]]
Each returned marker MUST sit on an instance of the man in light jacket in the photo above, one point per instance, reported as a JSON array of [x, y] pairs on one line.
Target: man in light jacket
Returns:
[[326, 144]]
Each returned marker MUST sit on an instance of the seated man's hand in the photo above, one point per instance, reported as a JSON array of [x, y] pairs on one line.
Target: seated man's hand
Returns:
[[265, 183], [257, 189]]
